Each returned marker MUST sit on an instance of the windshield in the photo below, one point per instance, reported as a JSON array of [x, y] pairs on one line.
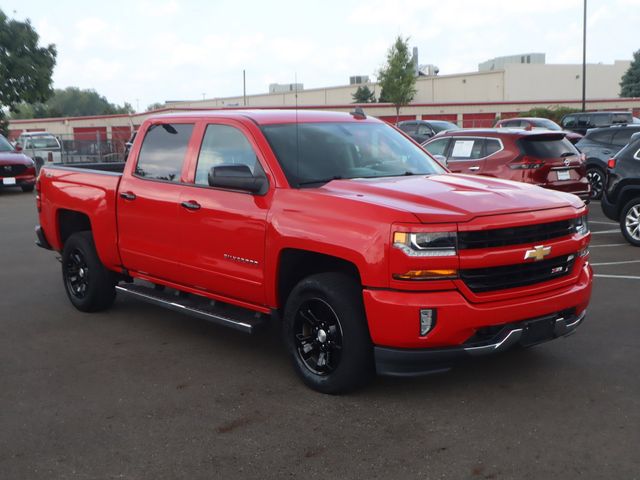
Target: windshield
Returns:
[[315, 153], [546, 123], [5, 146], [42, 141], [441, 126]]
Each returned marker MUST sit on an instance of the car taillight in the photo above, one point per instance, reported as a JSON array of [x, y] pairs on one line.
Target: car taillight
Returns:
[[38, 199], [611, 163], [526, 163]]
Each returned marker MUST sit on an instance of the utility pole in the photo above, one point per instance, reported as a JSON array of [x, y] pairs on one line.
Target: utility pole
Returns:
[[584, 58]]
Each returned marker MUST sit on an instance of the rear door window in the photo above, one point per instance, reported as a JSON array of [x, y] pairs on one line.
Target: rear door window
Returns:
[[622, 137], [424, 130], [466, 149], [603, 136], [163, 151], [569, 122], [601, 120], [545, 147], [225, 145], [492, 146], [621, 118]]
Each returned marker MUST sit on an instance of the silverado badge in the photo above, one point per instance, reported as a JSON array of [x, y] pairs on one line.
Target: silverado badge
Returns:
[[537, 253]]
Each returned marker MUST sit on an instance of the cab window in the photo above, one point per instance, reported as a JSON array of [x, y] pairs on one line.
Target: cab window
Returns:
[[437, 147], [225, 145], [163, 151]]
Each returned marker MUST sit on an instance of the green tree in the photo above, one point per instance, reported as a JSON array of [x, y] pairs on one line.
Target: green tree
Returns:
[[4, 123], [397, 78], [71, 102], [630, 84], [363, 95], [155, 106], [25, 67]]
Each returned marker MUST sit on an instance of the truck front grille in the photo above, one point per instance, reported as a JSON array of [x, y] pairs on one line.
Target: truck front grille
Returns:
[[503, 237], [481, 280], [11, 170]]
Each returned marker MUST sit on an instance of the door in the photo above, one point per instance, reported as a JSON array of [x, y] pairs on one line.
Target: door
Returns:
[[465, 155], [223, 231], [149, 203]]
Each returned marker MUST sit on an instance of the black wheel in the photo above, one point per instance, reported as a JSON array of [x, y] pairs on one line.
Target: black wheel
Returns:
[[326, 333], [89, 285], [596, 180], [27, 188], [630, 222]]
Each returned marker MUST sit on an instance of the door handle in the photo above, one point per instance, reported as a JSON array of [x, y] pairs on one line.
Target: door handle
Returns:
[[191, 205], [128, 195], [474, 169]]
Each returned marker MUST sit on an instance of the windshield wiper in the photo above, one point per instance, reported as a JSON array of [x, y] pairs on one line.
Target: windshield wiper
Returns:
[[322, 180]]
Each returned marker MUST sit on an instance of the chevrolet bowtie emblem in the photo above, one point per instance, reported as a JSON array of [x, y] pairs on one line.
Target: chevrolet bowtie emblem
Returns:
[[537, 253]]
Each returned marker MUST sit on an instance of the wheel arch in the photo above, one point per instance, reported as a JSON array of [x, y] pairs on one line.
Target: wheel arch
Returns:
[[69, 222], [295, 264]]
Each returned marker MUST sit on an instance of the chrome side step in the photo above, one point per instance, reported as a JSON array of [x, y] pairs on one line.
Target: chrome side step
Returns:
[[200, 307]]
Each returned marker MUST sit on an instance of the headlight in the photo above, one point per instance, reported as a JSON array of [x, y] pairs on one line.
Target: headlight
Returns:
[[426, 244], [582, 225]]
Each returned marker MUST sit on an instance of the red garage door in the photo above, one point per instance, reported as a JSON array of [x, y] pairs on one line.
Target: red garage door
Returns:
[[91, 134], [478, 120]]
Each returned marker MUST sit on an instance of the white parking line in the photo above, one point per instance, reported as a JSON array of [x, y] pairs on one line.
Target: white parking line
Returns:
[[614, 263], [626, 277], [602, 223], [617, 230], [608, 245]]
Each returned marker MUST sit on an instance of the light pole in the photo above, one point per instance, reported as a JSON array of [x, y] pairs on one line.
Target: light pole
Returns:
[[584, 57]]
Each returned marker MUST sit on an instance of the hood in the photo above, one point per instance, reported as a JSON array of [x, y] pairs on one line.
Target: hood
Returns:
[[451, 197], [14, 158]]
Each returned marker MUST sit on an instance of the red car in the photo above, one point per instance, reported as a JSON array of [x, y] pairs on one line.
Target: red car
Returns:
[[541, 158], [368, 254], [16, 169], [537, 123]]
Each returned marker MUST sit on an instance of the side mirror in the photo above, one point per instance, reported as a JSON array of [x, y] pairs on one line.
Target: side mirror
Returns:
[[18, 147], [237, 177]]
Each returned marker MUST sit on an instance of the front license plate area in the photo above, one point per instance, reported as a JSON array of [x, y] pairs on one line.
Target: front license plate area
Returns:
[[564, 175], [8, 181], [536, 331]]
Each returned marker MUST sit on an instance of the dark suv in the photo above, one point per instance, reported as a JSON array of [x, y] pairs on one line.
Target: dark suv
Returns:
[[423, 130], [599, 145], [621, 199], [543, 158], [581, 122]]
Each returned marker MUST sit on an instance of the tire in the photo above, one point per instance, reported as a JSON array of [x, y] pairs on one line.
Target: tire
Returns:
[[89, 285], [630, 222], [27, 188], [326, 335], [596, 179]]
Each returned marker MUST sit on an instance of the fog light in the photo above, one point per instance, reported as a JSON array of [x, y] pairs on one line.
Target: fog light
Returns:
[[427, 320]]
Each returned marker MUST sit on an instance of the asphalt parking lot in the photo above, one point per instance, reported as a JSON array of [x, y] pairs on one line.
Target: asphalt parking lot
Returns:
[[138, 392]]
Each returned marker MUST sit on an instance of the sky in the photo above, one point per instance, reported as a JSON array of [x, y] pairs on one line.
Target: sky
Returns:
[[146, 51]]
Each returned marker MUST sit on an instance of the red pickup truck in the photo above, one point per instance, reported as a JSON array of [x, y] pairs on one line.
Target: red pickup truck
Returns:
[[371, 255]]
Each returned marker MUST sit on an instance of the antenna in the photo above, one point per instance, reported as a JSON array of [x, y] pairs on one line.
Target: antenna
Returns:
[[295, 79]]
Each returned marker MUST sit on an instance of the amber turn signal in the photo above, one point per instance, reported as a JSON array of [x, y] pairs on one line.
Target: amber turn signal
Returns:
[[443, 274]]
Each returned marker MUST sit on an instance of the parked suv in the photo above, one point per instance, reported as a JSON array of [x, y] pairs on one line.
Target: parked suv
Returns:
[[423, 130], [621, 198], [581, 122], [537, 123], [546, 159], [599, 145], [16, 169]]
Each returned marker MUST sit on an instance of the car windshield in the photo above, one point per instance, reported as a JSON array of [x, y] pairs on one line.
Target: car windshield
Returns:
[[546, 123], [42, 141], [312, 154], [5, 146], [442, 125]]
